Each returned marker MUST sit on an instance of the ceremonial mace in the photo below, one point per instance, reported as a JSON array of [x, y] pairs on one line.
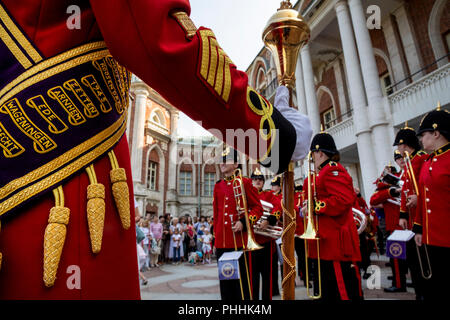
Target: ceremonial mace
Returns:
[[285, 34]]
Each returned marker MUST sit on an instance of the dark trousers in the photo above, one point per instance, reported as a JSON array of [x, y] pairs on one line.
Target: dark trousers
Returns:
[[230, 290], [276, 265], [340, 280], [263, 267], [414, 267], [436, 288], [301, 263], [365, 253]]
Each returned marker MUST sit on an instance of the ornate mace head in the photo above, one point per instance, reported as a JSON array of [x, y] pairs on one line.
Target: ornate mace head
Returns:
[[285, 34]]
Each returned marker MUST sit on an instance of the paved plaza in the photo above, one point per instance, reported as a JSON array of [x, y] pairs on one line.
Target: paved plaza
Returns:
[[200, 282]]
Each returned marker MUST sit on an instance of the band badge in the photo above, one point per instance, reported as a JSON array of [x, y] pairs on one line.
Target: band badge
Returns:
[[395, 249], [214, 66]]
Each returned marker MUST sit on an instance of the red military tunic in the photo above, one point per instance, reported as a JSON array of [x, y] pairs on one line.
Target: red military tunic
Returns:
[[275, 213], [225, 213], [336, 227], [433, 206], [417, 158], [391, 210], [145, 38]]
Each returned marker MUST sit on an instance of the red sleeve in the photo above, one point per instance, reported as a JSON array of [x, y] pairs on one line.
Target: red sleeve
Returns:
[[379, 197], [339, 195], [144, 37], [215, 209]]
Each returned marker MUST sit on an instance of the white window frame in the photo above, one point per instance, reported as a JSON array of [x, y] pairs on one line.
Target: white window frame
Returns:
[[208, 184], [151, 175], [332, 117], [185, 181]]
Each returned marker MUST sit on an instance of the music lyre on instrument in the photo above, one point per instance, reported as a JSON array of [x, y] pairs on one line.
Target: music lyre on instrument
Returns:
[[410, 171]]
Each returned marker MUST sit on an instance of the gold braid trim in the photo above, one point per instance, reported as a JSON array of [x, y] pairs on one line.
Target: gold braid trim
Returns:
[[55, 236], [95, 210], [120, 190], [291, 264]]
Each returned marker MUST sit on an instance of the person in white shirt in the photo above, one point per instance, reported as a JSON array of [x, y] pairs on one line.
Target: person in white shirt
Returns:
[[207, 247], [176, 245]]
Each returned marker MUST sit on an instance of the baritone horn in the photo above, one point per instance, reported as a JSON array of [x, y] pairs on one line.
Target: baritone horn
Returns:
[[311, 232], [426, 274], [269, 231]]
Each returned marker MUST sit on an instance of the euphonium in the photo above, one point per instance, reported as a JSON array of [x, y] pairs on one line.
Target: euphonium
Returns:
[[270, 231], [241, 207], [360, 220], [410, 171], [311, 232]]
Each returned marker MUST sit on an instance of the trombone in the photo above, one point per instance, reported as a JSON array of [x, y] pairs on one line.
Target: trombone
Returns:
[[311, 232], [242, 208], [426, 274]]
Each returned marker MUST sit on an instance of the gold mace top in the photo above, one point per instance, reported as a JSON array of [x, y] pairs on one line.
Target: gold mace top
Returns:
[[285, 34]]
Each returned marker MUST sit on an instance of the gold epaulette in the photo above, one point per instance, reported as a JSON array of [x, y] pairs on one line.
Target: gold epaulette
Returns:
[[332, 164]]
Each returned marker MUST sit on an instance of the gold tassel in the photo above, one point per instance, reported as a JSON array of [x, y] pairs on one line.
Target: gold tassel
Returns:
[[55, 236], [95, 210], [120, 190]]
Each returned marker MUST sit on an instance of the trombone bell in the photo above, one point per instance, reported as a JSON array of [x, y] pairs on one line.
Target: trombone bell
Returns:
[[310, 233]]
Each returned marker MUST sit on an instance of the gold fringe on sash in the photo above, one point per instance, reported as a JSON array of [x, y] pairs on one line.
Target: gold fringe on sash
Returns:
[[120, 190], [55, 236], [95, 210]]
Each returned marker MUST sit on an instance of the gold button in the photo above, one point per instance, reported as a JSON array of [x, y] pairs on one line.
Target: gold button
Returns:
[[429, 211], [226, 198], [434, 159], [428, 200], [226, 206], [226, 213], [226, 222]]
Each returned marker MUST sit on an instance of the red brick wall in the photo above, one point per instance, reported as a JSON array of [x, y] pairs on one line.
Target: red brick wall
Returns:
[[419, 11], [329, 81], [381, 65]]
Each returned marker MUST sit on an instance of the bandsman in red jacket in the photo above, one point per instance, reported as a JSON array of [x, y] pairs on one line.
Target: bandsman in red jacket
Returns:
[[387, 196], [339, 244], [230, 227], [265, 261], [408, 146], [299, 198], [432, 221], [64, 92]]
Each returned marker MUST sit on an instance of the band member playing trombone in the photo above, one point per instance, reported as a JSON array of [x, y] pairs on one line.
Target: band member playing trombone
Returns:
[[265, 261], [230, 228], [432, 221], [413, 158], [333, 194], [387, 196]]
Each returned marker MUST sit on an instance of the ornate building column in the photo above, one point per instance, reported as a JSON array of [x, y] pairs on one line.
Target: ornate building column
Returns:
[[311, 98], [356, 88], [141, 92], [171, 202], [382, 143], [300, 87]]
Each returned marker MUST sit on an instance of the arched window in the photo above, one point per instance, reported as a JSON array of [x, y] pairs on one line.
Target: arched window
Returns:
[[209, 180], [185, 180], [158, 117], [152, 170]]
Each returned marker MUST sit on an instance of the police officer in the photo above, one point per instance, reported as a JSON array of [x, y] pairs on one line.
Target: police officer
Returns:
[[432, 221], [339, 247], [230, 227]]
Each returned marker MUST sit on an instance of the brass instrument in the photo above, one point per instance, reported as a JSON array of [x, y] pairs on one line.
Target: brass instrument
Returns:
[[241, 208], [426, 274], [360, 220], [269, 231], [311, 231], [394, 181]]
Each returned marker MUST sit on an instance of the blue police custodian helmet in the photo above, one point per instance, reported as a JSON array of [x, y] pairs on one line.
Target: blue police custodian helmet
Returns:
[[407, 136], [230, 153], [324, 142], [397, 155], [257, 174], [276, 181], [438, 120]]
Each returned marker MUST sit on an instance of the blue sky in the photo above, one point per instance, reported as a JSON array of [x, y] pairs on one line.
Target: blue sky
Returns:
[[238, 26]]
